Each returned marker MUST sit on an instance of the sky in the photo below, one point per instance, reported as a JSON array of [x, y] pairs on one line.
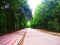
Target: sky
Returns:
[[33, 4]]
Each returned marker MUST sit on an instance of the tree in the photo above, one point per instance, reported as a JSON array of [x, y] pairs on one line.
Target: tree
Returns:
[[47, 15], [12, 17]]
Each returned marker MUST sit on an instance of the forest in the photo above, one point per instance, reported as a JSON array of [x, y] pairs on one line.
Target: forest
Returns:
[[47, 16], [12, 15]]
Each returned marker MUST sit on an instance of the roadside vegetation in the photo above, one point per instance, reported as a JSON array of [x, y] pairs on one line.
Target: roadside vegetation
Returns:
[[12, 17], [47, 16], [15, 14]]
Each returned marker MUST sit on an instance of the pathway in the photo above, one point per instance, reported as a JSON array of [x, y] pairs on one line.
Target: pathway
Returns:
[[34, 37]]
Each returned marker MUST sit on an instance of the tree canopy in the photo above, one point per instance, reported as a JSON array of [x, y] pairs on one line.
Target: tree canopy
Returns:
[[47, 16], [12, 17]]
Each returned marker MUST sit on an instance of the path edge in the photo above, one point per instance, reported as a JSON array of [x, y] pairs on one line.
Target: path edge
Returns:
[[22, 39]]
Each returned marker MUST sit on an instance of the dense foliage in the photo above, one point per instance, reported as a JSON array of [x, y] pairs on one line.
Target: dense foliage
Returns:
[[12, 16], [47, 16]]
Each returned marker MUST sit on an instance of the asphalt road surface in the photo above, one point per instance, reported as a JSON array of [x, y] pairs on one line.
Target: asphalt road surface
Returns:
[[34, 37], [12, 38]]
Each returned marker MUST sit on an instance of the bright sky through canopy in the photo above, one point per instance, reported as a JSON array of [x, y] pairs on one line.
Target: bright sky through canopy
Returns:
[[28, 23], [33, 4]]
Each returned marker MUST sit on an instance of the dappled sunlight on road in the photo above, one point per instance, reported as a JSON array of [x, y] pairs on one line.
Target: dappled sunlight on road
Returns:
[[12, 38]]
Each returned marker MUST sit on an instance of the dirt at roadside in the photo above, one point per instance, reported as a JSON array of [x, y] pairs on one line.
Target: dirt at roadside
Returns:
[[49, 32]]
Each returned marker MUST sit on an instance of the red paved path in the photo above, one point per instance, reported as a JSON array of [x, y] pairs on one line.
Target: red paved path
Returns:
[[34, 37], [11, 39]]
